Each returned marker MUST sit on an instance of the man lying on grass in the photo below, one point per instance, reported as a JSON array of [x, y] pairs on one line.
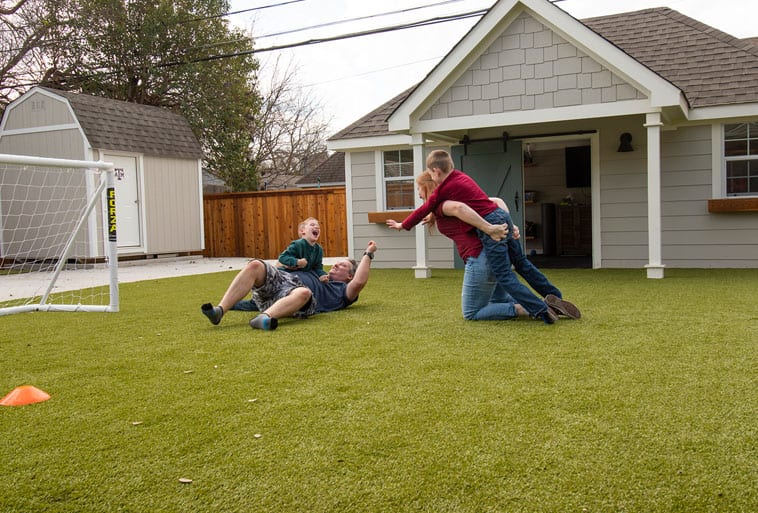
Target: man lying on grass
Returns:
[[277, 293]]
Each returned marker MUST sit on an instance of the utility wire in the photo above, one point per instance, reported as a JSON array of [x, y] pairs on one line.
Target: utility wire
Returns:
[[204, 18], [422, 23], [432, 21], [339, 79], [338, 22], [360, 18], [322, 25]]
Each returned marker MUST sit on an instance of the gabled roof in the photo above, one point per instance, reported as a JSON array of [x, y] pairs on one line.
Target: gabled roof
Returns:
[[329, 172], [118, 125], [710, 67]]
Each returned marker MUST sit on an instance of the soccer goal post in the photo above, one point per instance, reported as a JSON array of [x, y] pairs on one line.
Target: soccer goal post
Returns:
[[58, 249]]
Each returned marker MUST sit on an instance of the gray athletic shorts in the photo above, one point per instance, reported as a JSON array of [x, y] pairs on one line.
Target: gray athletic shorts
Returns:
[[279, 284]]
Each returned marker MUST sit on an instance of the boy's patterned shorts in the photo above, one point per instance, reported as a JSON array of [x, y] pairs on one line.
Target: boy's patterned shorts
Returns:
[[279, 284]]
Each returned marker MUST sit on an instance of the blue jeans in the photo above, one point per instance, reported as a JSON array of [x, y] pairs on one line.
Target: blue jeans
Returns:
[[502, 254], [529, 272], [482, 299]]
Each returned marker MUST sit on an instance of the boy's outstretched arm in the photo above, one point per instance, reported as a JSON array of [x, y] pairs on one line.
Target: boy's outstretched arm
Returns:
[[469, 216]]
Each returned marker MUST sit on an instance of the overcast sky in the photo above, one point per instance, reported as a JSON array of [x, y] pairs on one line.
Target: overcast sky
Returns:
[[352, 77]]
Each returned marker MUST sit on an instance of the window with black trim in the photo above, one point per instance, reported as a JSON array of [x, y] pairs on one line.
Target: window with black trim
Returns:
[[399, 187], [741, 156]]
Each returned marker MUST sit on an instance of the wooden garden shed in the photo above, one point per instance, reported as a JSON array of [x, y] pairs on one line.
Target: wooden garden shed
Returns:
[[157, 157]]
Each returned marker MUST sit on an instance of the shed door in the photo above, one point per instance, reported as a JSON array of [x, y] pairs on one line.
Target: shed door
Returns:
[[498, 169], [128, 225]]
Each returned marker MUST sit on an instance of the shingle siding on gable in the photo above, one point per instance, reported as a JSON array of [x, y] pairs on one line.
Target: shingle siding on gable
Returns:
[[530, 67]]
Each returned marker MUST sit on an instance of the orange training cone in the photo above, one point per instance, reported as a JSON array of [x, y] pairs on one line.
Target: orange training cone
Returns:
[[22, 395]]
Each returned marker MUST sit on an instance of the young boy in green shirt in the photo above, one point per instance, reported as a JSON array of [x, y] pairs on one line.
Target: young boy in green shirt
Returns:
[[305, 253]]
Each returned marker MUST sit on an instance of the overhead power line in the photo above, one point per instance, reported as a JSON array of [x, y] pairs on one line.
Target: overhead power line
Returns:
[[360, 18], [224, 15], [380, 30]]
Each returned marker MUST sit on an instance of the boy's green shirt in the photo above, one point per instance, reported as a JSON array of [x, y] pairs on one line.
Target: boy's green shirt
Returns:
[[300, 248]]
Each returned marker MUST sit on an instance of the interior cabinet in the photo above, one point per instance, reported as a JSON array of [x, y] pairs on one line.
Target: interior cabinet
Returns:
[[574, 230]]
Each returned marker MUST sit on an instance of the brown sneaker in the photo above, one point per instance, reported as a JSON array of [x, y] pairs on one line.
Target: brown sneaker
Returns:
[[562, 307]]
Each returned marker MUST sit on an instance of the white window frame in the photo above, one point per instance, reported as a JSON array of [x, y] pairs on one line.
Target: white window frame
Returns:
[[724, 159], [382, 181]]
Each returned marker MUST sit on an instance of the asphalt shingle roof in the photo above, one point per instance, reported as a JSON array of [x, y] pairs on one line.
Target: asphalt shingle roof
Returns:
[[709, 66], [331, 171], [119, 125], [375, 122]]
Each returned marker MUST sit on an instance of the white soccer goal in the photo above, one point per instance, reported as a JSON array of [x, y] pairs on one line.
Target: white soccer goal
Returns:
[[58, 249]]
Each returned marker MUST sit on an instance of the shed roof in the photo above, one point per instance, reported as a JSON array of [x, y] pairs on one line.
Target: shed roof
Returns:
[[124, 126], [709, 66]]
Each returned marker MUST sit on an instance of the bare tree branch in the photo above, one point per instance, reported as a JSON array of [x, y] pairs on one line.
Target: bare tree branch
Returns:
[[288, 135], [4, 10]]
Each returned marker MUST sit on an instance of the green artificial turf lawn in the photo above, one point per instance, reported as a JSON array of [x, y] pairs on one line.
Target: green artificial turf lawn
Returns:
[[646, 404]]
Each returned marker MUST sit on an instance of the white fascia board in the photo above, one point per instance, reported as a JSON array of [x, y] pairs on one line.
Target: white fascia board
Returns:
[[660, 92], [722, 112], [439, 138], [459, 58], [369, 143], [38, 129], [524, 117]]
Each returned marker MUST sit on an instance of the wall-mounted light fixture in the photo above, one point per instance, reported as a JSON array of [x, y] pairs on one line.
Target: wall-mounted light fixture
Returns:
[[626, 142]]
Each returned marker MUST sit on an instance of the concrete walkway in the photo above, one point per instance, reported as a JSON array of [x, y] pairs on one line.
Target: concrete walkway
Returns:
[[31, 284]]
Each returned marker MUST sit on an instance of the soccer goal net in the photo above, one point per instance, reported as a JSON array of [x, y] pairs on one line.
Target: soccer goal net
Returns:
[[58, 249]]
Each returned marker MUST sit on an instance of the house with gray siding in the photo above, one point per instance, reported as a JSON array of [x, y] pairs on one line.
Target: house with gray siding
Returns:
[[159, 196], [629, 139]]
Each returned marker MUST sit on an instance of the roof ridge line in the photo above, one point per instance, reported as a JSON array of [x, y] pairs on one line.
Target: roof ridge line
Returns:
[[722, 36]]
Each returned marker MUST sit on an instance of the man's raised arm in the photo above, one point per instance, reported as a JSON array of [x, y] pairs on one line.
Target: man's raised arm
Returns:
[[360, 278]]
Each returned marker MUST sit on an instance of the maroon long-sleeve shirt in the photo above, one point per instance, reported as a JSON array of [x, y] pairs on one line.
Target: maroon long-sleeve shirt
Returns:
[[458, 186]]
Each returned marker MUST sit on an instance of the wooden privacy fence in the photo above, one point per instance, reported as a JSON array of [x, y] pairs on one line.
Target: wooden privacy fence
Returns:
[[261, 224]]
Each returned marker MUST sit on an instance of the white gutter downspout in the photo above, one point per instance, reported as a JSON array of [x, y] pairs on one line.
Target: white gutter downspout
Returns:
[[421, 269], [653, 124]]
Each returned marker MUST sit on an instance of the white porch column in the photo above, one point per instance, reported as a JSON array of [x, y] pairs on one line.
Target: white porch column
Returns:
[[421, 269], [653, 124]]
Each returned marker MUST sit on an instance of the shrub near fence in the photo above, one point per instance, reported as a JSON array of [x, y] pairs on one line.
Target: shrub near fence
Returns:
[[261, 224]]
